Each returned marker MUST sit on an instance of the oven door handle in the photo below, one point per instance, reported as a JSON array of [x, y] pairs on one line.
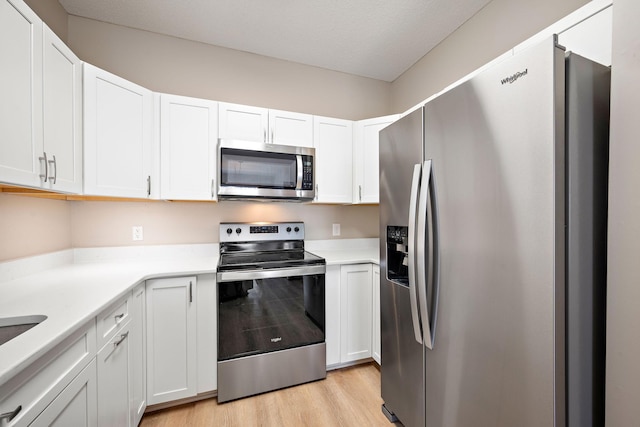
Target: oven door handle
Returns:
[[232, 276]]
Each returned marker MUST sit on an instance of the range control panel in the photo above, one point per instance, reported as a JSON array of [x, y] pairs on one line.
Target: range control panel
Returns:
[[260, 231]]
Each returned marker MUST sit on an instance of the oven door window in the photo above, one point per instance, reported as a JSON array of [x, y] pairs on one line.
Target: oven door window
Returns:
[[264, 315], [243, 168]]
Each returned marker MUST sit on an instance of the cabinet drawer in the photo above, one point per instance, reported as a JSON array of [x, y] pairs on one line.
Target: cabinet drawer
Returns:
[[37, 385], [112, 319]]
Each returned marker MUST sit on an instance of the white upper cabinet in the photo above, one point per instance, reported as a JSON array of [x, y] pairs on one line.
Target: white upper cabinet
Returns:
[[333, 144], [40, 123], [246, 123], [243, 122], [117, 135], [287, 128], [188, 135], [21, 89], [62, 114], [366, 166]]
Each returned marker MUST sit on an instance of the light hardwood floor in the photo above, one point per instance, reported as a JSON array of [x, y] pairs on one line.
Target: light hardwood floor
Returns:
[[347, 397]]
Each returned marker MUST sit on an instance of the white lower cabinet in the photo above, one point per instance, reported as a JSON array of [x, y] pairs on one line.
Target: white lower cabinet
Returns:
[[332, 314], [207, 330], [375, 337], [138, 375], [75, 406], [355, 307], [114, 384], [58, 386], [171, 339]]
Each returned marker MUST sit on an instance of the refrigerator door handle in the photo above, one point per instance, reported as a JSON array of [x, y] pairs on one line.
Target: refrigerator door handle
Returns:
[[413, 206], [422, 252], [435, 232]]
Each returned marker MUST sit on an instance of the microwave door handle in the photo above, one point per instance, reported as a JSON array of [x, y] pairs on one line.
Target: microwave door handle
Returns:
[[299, 170], [413, 206]]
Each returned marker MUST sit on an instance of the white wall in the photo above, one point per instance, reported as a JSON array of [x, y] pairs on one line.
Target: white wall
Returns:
[[109, 223], [172, 65], [495, 29], [623, 299], [30, 226]]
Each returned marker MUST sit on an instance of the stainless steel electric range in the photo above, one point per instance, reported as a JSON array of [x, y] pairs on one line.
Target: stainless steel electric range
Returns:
[[271, 309]]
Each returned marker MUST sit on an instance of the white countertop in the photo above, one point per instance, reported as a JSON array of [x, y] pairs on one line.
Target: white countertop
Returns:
[[75, 288]]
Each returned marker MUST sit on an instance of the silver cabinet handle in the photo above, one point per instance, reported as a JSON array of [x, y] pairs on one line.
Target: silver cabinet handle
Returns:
[[316, 196], [264, 135], [11, 415], [54, 168], [190, 291], [46, 167], [148, 185], [119, 317], [213, 188], [360, 192], [272, 135], [122, 338]]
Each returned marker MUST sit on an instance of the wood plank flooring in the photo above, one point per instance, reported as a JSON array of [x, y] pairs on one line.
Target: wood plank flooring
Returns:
[[347, 397]]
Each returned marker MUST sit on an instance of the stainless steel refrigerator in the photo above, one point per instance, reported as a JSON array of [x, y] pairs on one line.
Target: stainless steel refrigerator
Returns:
[[493, 248]]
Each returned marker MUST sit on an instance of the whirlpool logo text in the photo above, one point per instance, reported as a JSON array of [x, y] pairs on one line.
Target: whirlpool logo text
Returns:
[[514, 77]]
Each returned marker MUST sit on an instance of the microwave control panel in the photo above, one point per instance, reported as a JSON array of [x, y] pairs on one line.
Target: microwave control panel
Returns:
[[307, 172]]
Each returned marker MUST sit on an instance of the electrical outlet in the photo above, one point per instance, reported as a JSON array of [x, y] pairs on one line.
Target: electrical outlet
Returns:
[[137, 232], [336, 229]]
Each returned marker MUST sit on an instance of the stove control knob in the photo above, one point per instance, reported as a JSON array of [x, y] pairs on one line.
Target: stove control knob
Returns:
[[229, 231], [296, 229], [238, 230], [288, 229]]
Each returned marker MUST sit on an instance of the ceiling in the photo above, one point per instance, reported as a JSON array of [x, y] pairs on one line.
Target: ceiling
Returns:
[[372, 38]]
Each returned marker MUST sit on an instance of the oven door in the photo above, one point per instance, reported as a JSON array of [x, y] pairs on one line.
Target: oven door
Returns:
[[268, 310]]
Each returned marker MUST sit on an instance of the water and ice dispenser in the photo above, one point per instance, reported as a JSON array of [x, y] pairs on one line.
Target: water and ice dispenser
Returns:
[[398, 254]]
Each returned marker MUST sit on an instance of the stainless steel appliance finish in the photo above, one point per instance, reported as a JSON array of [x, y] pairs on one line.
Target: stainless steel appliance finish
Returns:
[[270, 371], [259, 171], [478, 314], [271, 309]]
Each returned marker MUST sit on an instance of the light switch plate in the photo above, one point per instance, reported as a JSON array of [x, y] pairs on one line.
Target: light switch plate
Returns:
[[336, 229]]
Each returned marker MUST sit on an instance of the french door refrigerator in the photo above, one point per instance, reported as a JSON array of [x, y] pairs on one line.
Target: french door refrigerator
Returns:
[[493, 248]]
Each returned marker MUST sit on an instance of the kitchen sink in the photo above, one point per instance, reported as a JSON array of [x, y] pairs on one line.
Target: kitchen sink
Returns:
[[11, 327]]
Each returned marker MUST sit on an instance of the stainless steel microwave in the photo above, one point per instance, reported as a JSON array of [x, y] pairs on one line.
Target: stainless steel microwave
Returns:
[[258, 171]]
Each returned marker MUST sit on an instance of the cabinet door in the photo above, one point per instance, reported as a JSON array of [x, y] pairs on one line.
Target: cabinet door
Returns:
[[355, 304], [287, 128], [365, 158], [332, 314], [114, 384], [334, 165], [207, 339], [375, 339], [21, 89], [62, 114], [242, 122], [138, 374], [188, 135], [171, 339], [117, 135], [75, 405]]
